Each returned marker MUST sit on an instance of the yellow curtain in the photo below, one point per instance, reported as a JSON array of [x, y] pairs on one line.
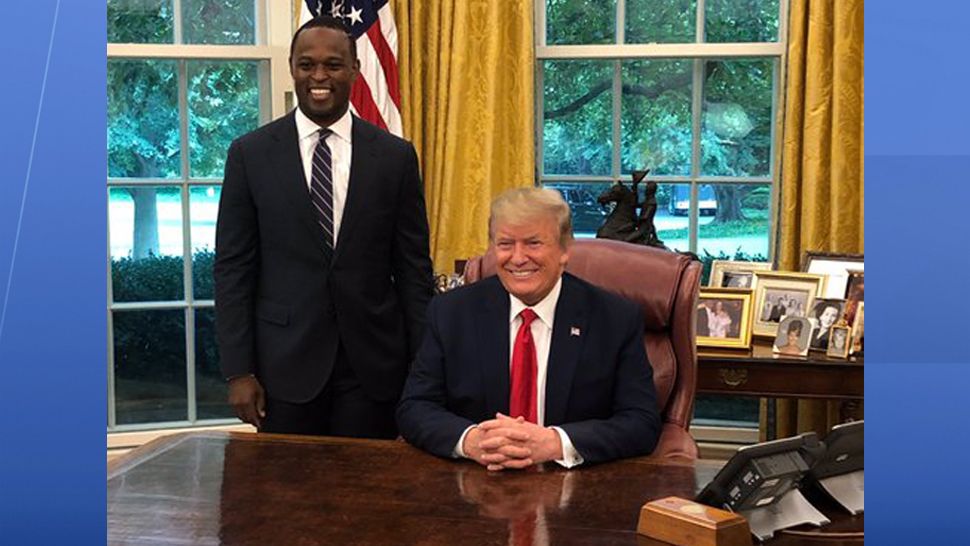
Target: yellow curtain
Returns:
[[467, 79], [822, 156]]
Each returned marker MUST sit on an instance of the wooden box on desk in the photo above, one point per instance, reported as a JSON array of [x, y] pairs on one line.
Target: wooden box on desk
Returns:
[[674, 520]]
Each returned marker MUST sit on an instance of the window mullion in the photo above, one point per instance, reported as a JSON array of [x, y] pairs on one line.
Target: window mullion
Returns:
[[615, 169], [696, 109], [177, 20]]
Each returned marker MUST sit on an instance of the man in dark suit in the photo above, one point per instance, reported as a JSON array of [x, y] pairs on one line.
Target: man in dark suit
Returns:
[[532, 365], [322, 268]]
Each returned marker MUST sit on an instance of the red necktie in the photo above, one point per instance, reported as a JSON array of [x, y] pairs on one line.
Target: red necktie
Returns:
[[522, 397]]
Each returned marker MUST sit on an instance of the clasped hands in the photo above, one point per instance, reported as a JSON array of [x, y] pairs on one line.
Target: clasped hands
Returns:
[[507, 442]]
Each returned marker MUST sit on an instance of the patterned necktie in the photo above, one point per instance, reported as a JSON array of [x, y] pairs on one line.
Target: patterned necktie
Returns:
[[522, 395], [321, 186]]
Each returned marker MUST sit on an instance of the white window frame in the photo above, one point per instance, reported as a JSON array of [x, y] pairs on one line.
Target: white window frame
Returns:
[[274, 29], [698, 52]]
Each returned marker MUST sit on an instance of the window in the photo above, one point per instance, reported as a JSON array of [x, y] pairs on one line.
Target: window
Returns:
[[185, 77], [689, 89]]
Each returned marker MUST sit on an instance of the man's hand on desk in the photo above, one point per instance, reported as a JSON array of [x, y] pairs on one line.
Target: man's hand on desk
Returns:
[[505, 442], [248, 398]]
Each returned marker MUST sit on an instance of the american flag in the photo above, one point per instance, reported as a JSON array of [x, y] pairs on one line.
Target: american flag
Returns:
[[375, 96]]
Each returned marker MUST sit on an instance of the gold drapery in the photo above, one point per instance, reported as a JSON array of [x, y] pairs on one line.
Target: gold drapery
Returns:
[[467, 93], [822, 157]]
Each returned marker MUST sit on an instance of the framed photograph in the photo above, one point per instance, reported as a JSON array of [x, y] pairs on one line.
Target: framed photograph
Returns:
[[793, 336], [724, 318], [857, 330], [834, 266], [839, 342], [778, 294], [731, 274], [854, 295], [825, 314]]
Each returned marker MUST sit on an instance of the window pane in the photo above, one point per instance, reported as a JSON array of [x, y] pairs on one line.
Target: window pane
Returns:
[[145, 234], [649, 21], [143, 128], [578, 117], [203, 210], [211, 390], [673, 219], [223, 104], [736, 137], [218, 21], [580, 22], [726, 411], [588, 214], [741, 224], [655, 117], [741, 20], [140, 21], [149, 352]]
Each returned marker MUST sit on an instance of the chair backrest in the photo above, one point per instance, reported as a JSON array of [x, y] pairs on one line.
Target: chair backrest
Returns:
[[664, 284]]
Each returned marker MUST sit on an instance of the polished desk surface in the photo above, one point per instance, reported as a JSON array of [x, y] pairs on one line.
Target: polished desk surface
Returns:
[[758, 372], [236, 488]]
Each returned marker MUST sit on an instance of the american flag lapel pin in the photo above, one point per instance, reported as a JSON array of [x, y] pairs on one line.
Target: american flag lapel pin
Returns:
[[574, 331]]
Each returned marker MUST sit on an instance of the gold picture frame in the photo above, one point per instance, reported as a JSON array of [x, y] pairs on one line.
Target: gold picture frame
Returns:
[[840, 340], [728, 325], [778, 294], [858, 330], [731, 267]]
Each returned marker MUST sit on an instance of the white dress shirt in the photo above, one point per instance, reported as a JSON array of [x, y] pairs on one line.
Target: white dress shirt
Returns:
[[542, 337], [341, 145]]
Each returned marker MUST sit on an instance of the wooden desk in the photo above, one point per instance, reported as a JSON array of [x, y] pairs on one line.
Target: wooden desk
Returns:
[[236, 488], [757, 372]]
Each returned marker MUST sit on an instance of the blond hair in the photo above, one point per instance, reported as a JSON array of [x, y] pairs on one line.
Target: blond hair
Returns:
[[521, 205]]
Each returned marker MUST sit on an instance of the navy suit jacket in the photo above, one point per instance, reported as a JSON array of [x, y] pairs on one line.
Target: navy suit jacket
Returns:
[[599, 384], [285, 302]]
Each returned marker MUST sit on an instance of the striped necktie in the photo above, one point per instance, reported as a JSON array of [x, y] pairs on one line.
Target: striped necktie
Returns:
[[321, 186]]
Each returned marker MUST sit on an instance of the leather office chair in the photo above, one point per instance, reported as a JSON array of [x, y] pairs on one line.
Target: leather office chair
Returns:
[[665, 285]]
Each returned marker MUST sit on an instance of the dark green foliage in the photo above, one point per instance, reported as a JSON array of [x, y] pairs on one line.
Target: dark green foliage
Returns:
[[655, 118], [218, 21], [155, 278], [140, 21], [580, 21], [149, 345]]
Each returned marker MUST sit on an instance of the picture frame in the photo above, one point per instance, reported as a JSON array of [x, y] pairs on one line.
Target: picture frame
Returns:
[[826, 312], [734, 270], [781, 293], [835, 266], [854, 294], [858, 332], [793, 336], [733, 331], [839, 342]]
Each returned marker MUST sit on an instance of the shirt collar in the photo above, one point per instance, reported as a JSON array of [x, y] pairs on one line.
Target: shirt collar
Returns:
[[306, 127], [545, 309]]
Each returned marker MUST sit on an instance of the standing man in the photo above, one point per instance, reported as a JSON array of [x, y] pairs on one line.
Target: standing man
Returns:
[[322, 268], [534, 364]]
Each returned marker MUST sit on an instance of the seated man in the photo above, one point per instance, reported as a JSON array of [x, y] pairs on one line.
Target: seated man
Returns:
[[533, 365]]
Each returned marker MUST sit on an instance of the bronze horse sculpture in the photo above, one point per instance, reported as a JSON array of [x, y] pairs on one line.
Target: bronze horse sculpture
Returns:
[[623, 223]]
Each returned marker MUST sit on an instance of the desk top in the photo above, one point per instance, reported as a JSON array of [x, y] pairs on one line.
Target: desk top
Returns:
[[237, 488]]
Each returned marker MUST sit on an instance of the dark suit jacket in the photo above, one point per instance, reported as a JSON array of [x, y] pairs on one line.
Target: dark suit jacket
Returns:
[[284, 300], [599, 384]]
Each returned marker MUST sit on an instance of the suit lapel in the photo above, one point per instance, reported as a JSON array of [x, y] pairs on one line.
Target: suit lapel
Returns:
[[363, 174], [493, 346], [568, 335], [288, 165]]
